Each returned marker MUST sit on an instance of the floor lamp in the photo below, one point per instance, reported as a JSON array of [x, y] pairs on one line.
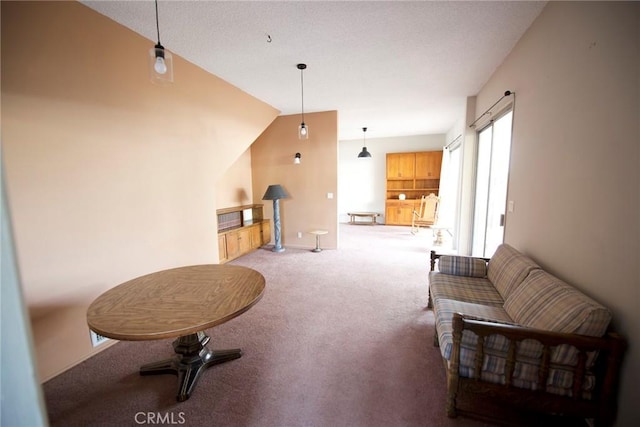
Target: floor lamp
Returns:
[[275, 193]]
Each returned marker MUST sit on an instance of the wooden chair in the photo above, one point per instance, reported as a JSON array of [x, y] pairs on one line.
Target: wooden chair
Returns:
[[427, 215]]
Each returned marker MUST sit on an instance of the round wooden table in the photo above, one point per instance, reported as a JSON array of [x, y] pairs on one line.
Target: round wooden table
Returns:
[[180, 302]]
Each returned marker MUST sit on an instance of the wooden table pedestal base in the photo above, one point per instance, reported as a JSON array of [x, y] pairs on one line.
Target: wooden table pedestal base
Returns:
[[192, 358]]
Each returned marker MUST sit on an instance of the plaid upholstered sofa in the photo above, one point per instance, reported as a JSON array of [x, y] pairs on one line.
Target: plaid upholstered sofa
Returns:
[[509, 330]]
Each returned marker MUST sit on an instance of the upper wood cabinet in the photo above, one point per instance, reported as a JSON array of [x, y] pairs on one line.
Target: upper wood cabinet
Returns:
[[401, 165], [428, 164]]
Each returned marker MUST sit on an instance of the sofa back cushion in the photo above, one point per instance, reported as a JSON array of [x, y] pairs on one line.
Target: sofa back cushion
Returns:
[[508, 268], [545, 302], [462, 266]]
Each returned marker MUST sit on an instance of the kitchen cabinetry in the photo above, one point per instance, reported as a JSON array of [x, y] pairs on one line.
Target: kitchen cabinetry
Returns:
[[241, 229], [411, 175]]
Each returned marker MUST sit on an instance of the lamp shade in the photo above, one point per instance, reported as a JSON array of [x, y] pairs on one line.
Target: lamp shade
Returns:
[[364, 153], [275, 192]]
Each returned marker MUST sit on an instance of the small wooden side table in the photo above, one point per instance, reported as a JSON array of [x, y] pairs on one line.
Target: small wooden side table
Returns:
[[318, 233], [371, 215]]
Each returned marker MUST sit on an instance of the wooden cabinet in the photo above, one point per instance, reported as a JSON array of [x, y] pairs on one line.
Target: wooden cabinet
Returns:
[[428, 164], [400, 165], [399, 212], [413, 175], [260, 234], [238, 242], [240, 232]]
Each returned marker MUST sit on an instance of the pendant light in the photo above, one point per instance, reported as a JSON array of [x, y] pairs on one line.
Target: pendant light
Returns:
[[364, 152], [160, 60], [297, 158], [303, 129]]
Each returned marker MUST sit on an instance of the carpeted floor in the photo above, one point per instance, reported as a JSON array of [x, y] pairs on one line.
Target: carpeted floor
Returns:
[[340, 338]]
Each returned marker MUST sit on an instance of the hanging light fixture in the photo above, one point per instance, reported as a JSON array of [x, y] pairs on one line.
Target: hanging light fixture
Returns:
[[303, 129], [296, 159], [364, 152], [160, 60]]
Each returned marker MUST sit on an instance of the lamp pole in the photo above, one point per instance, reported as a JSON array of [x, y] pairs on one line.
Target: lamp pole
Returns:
[[276, 192], [276, 226]]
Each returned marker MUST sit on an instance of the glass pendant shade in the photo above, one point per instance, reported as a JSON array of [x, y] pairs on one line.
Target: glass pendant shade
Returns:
[[160, 60], [303, 131], [160, 65]]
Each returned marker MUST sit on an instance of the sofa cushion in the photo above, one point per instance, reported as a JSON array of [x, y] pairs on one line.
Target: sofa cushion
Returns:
[[508, 268], [444, 310], [461, 288], [494, 363], [462, 266], [545, 302]]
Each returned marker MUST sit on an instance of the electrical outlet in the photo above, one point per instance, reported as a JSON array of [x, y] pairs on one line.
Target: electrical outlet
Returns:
[[96, 339], [299, 234]]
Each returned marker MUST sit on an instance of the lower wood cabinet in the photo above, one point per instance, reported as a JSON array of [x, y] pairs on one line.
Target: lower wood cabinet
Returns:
[[399, 212], [239, 241]]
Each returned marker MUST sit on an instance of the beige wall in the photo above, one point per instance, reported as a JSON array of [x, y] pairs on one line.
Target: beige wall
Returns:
[[308, 183], [108, 176], [575, 168], [234, 188]]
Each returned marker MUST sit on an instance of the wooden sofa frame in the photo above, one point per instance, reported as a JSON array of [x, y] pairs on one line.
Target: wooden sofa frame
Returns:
[[601, 406]]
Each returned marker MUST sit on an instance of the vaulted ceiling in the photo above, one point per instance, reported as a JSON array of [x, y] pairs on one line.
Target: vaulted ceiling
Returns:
[[396, 67]]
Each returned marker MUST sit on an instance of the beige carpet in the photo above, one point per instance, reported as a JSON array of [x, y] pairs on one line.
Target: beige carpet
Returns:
[[340, 338]]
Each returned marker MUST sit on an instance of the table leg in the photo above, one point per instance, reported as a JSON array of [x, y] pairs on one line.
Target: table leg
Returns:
[[192, 358], [317, 249]]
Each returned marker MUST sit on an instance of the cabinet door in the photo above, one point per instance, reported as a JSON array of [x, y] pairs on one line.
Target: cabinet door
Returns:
[[222, 248], [428, 164], [400, 165], [238, 243], [266, 232], [233, 244], [256, 236], [399, 213], [244, 240], [391, 215]]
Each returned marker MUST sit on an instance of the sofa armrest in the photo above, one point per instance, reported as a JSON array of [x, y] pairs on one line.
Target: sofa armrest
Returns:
[[610, 350], [459, 265]]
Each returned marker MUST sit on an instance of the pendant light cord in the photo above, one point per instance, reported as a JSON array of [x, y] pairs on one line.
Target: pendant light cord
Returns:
[[157, 22], [302, 86]]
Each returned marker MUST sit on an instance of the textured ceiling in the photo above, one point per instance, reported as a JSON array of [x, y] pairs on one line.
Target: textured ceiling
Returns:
[[398, 68]]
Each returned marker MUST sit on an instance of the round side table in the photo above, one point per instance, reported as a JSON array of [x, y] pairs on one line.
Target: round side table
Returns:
[[318, 233]]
